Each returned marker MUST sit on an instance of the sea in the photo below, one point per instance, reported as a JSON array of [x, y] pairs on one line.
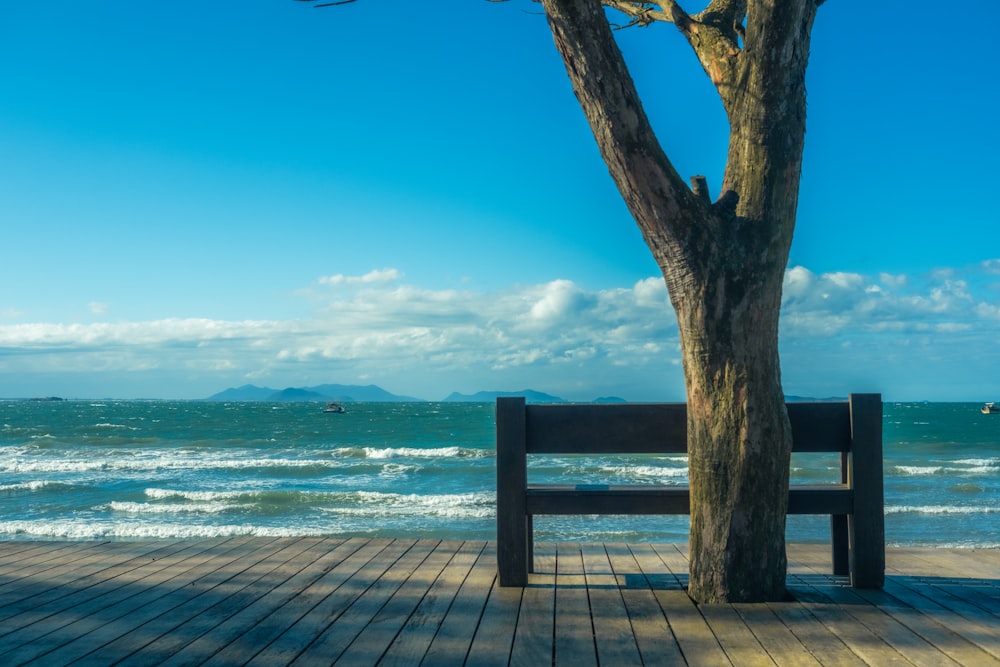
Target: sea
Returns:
[[125, 470]]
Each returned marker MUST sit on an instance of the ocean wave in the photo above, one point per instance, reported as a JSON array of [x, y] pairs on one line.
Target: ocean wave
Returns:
[[979, 463], [172, 508], [412, 452], [940, 509], [153, 463], [82, 529], [645, 472], [475, 505], [943, 469], [24, 486], [916, 470], [110, 425], [198, 496]]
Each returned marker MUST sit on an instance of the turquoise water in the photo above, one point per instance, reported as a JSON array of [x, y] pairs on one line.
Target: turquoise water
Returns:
[[142, 469]]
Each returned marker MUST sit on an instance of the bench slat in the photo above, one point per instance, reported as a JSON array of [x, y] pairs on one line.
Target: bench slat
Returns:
[[577, 499], [661, 428]]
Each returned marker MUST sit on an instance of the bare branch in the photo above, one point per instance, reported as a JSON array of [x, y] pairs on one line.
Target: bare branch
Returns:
[[642, 13], [330, 4], [699, 186]]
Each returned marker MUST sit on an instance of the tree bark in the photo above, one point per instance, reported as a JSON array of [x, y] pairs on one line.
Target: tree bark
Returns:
[[723, 262]]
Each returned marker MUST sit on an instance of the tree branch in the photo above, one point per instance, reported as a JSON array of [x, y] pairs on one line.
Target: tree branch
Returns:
[[665, 209]]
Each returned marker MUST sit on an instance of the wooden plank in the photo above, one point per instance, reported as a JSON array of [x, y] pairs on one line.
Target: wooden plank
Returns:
[[76, 623], [978, 631], [358, 551], [582, 499], [494, 636], [782, 645], [736, 639], [613, 632], [533, 638], [50, 578], [820, 426], [18, 563], [574, 626], [453, 641], [339, 593], [268, 602], [653, 636], [413, 640], [168, 604], [946, 640], [369, 647], [871, 633], [237, 586], [827, 647], [661, 428], [42, 625], [654, 428], [304, 570], [339, 635], [49, 590], [692, 632]]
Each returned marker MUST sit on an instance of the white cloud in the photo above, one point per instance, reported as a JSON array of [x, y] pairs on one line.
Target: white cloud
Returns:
[[374, 276], [555, 336]]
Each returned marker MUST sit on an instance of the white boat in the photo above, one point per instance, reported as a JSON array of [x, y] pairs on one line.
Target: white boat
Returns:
[[990, 409], [335, 408]]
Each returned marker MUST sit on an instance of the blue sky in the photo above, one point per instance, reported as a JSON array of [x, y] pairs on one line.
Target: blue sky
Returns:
[[197, 195]]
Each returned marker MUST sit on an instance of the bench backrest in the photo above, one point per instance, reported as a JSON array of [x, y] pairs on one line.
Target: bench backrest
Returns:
[[657, 428], [853, 428]]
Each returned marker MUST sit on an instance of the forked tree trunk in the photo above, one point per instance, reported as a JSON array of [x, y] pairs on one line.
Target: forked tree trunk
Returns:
[[723, 262]]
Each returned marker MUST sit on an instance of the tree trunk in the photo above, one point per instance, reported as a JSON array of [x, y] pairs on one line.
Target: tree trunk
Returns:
[[723, 262]]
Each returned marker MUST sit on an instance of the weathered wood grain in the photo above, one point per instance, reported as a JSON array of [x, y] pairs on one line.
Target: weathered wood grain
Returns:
[[385, 601]]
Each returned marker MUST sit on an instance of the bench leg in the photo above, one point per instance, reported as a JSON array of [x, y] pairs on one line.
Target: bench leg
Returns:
[[866, 526], [512, 552], [838, 537], [530, 542], [513, 526]]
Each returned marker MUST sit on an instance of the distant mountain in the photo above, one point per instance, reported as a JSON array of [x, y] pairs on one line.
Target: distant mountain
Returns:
[[247, 392], [610, 399], [345, 393], [297, 395], [490, 396]]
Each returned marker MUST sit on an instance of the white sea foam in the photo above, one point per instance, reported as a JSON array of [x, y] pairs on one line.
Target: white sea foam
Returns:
[[918, 470], [199, 496], [416, 452], [152, 462], [979, 463], [172, 508], [940, 509], [457, 505], [645, 472], [24, 486], [946, 469], [82, 529]]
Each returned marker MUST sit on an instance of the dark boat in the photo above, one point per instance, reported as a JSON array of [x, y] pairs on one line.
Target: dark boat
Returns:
[[336, 408]]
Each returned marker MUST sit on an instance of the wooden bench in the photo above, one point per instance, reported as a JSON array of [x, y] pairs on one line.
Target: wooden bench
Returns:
[[852, 428]]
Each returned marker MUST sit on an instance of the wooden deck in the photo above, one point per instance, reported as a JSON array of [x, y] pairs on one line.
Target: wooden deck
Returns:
[[262, 601]]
